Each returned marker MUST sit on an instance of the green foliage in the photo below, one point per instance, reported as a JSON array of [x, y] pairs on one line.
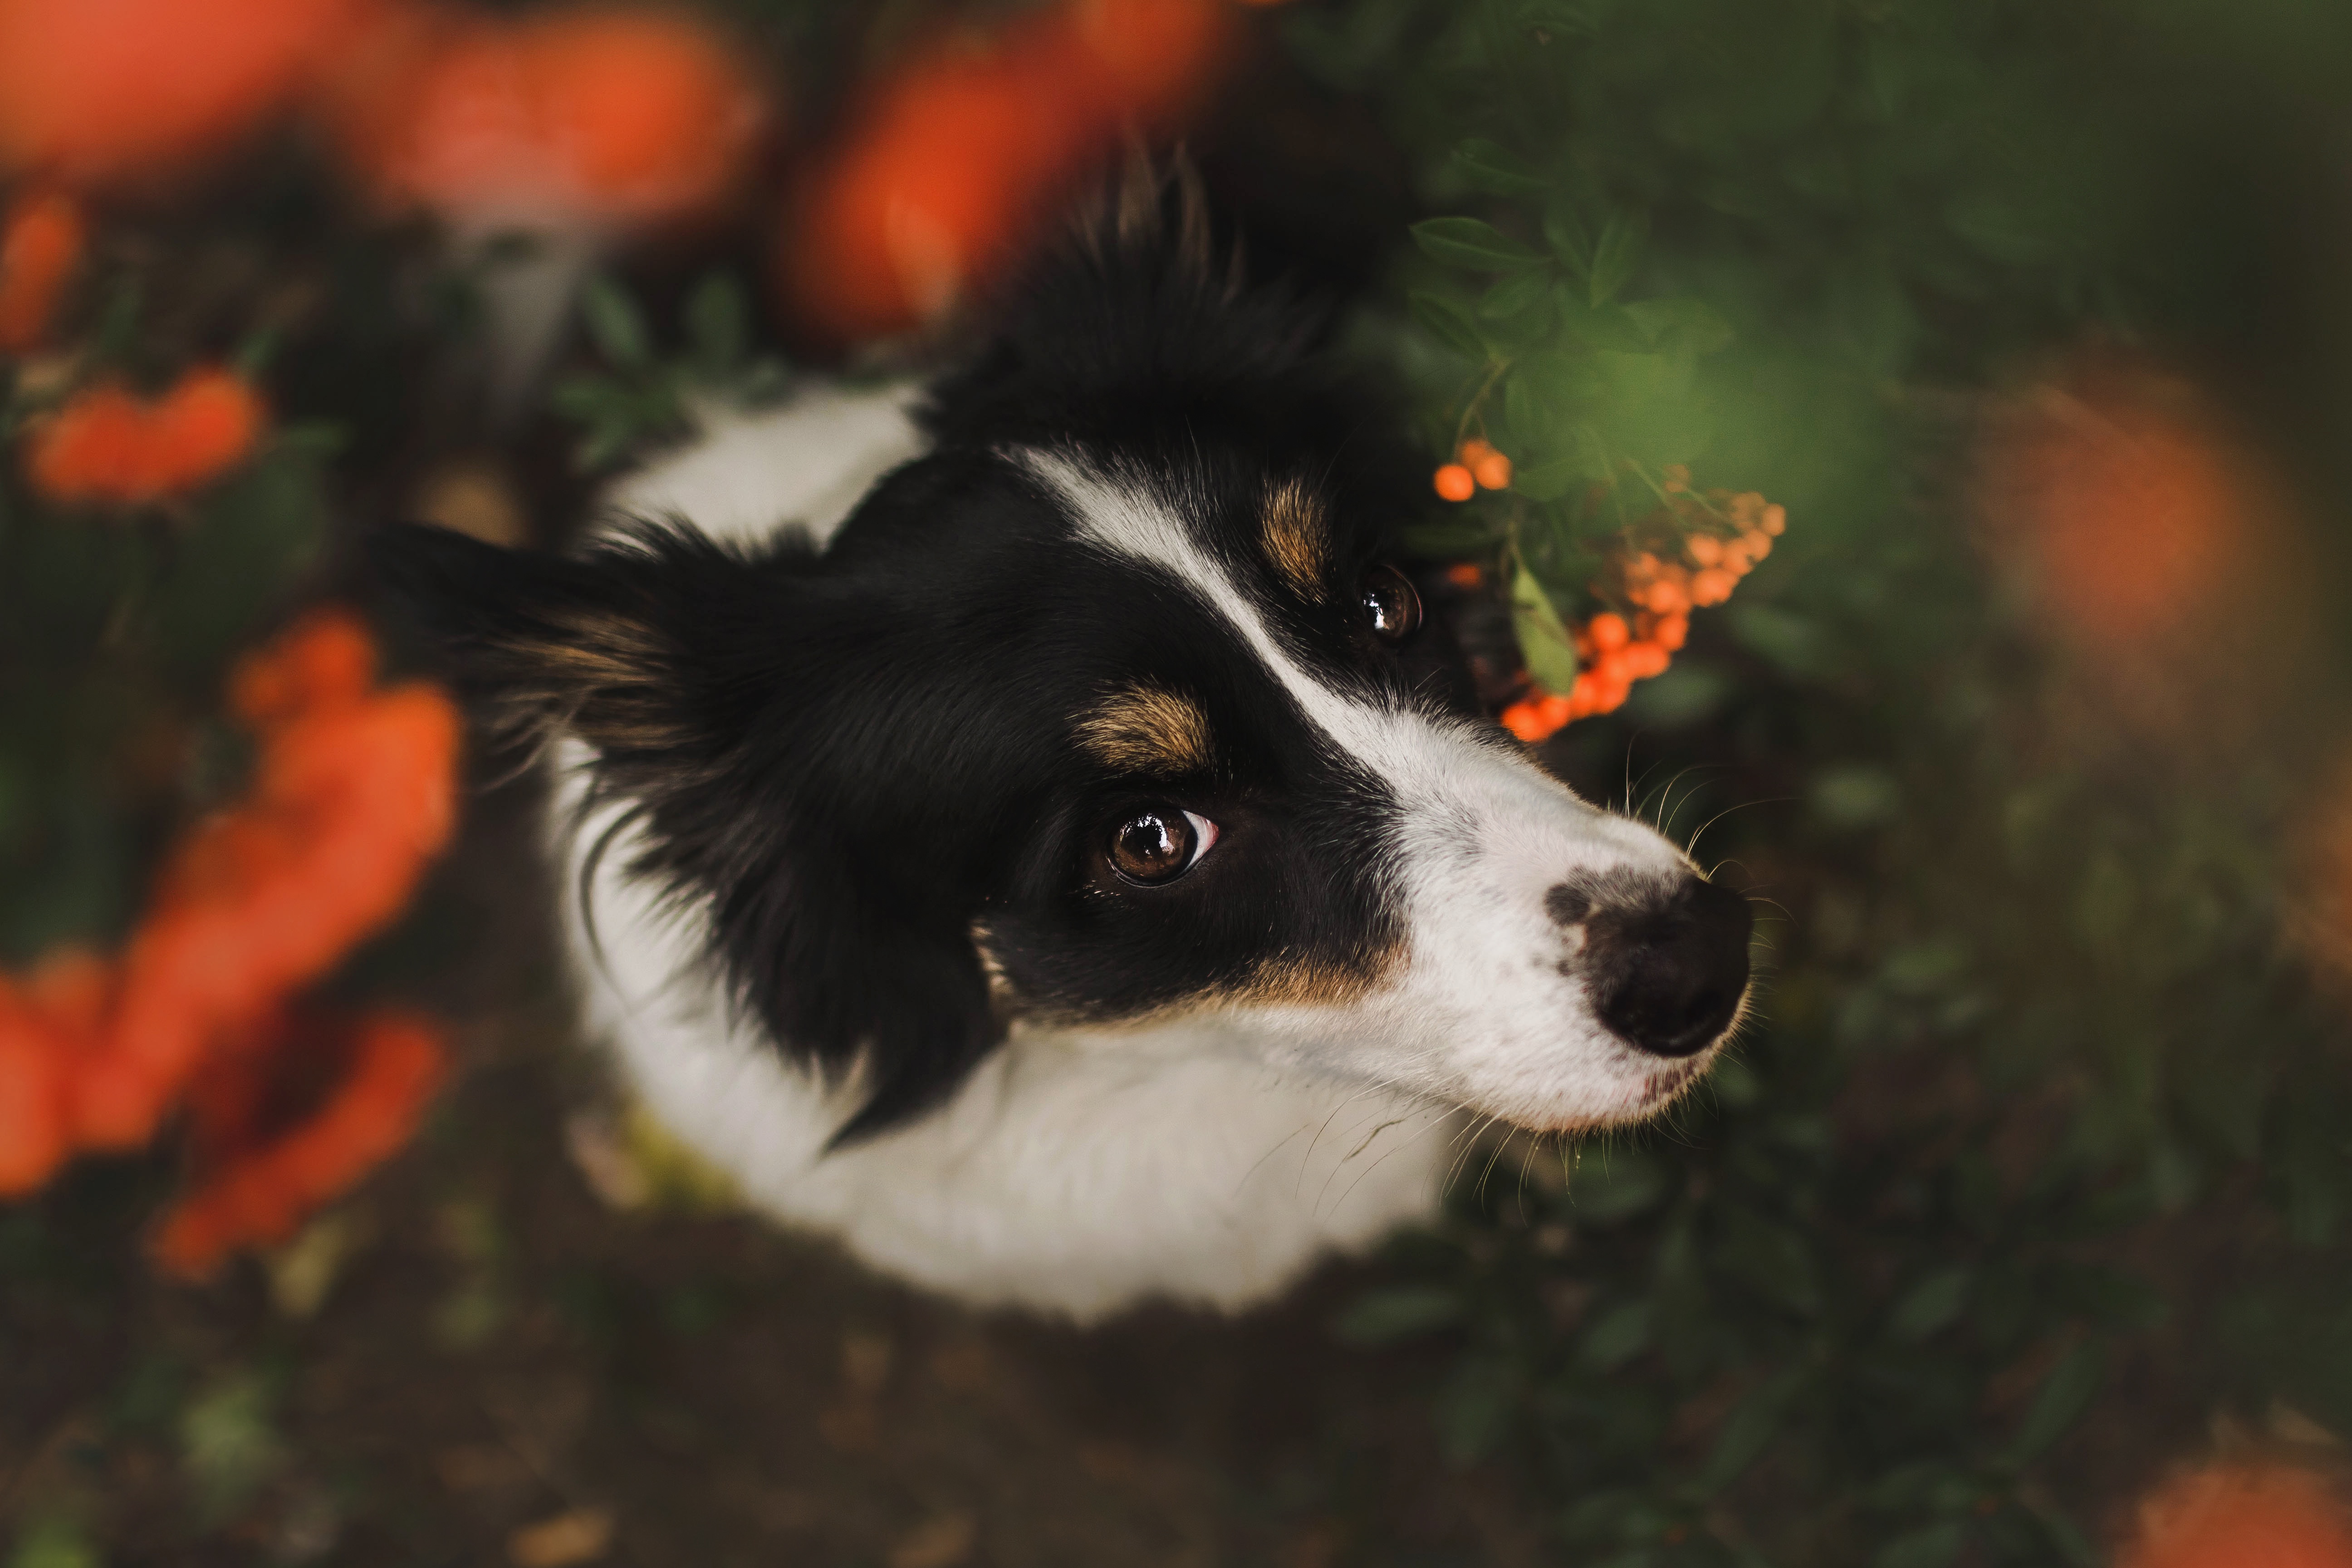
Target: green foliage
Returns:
[[641, 397], [1886, 1288]]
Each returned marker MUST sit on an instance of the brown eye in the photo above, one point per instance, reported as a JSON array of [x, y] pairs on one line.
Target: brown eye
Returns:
[[1159, 844], [1390, 606]]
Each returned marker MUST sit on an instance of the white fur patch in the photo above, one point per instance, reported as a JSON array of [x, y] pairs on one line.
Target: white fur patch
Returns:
[[807, 461]]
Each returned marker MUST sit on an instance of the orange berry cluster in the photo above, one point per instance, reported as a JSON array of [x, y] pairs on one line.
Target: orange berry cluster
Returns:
[[1476, 465], [1700, 550], [108, 445], [354, 792]]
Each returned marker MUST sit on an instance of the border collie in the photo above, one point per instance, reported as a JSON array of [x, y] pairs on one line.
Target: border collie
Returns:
[[1077, 872]]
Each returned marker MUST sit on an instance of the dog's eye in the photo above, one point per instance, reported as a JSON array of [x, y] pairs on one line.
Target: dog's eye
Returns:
[[1159, 844], [1390, 606]]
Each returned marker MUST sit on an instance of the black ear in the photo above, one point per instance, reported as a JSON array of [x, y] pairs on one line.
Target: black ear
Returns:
[[719, 693], [618, 646]]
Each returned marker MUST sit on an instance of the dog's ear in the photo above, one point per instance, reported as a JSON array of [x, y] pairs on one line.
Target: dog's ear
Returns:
[[719, 693], [625, 648]]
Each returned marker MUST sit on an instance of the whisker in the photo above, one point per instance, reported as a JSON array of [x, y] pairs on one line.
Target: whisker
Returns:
[[1691, 848]]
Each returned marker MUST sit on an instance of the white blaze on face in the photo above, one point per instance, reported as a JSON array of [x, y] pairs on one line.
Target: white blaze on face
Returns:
[[1484, 1012]]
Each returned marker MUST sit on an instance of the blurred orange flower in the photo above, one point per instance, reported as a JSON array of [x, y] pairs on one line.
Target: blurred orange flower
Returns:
[[41, 242], [353, 794], [110, 90], [258, 1183], [2112, 487], [2242, 1516], [108, 446], [948, 166], [600, 117]]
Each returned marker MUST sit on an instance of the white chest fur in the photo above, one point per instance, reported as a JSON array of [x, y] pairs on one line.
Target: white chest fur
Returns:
[[1075, 1172]]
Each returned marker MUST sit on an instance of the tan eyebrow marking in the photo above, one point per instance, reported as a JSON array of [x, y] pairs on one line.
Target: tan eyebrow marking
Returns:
[[1296, 537], [1144, 727]]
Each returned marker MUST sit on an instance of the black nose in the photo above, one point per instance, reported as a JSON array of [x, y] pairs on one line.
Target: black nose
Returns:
[[1669, 975]]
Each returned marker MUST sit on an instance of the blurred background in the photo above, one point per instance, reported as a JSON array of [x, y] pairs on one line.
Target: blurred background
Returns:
[[1994, 351]]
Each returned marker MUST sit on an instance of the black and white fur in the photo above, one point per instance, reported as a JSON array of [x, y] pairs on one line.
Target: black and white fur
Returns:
[[837, 801]]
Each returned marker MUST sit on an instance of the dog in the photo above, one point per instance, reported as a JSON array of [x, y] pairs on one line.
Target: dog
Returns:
[[1029, 829]]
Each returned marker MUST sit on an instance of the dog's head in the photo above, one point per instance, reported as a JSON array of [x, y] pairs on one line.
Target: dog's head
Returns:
[[1108, 710]]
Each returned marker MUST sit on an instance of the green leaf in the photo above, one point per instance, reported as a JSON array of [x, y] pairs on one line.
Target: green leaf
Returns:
[[1473, 1407], [1399, 1312], [1549, 482], [1544, 642], [719, 324], [1749, 1430], [1616, 1337], [1467, 242], [1516, 293], [1495, 170], [1615, 256], [2066, 1393], [1691, 325], [229, 1443], [1931, 1546], [1564, 231], [1931, 1305], [1446, 323], [615, 323]]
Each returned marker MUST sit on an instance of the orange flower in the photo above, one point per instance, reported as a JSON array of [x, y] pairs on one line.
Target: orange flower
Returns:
[[354, 792], [2116, 490], [946, 169], [2242, 1516], [1454, 482], [601, 117], [104, 91], [106, 446], [260, 1187], [40, 244]]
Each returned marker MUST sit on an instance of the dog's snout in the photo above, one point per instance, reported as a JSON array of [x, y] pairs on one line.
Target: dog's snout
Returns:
[[1667, 976]]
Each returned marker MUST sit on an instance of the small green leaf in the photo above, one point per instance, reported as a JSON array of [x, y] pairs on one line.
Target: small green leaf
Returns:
[[1544, 642], [1616, 1337], [1570, 239], [1614, 258], [1445, 322], [1494, 169], [1549, 482], [719, 323], [1467, 242], [615, 323], [1693, 325], [1516, 293], [1931, 1305], [1473, 1409], [2066, 1393], [1749, 1430], [1399, 1312]]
